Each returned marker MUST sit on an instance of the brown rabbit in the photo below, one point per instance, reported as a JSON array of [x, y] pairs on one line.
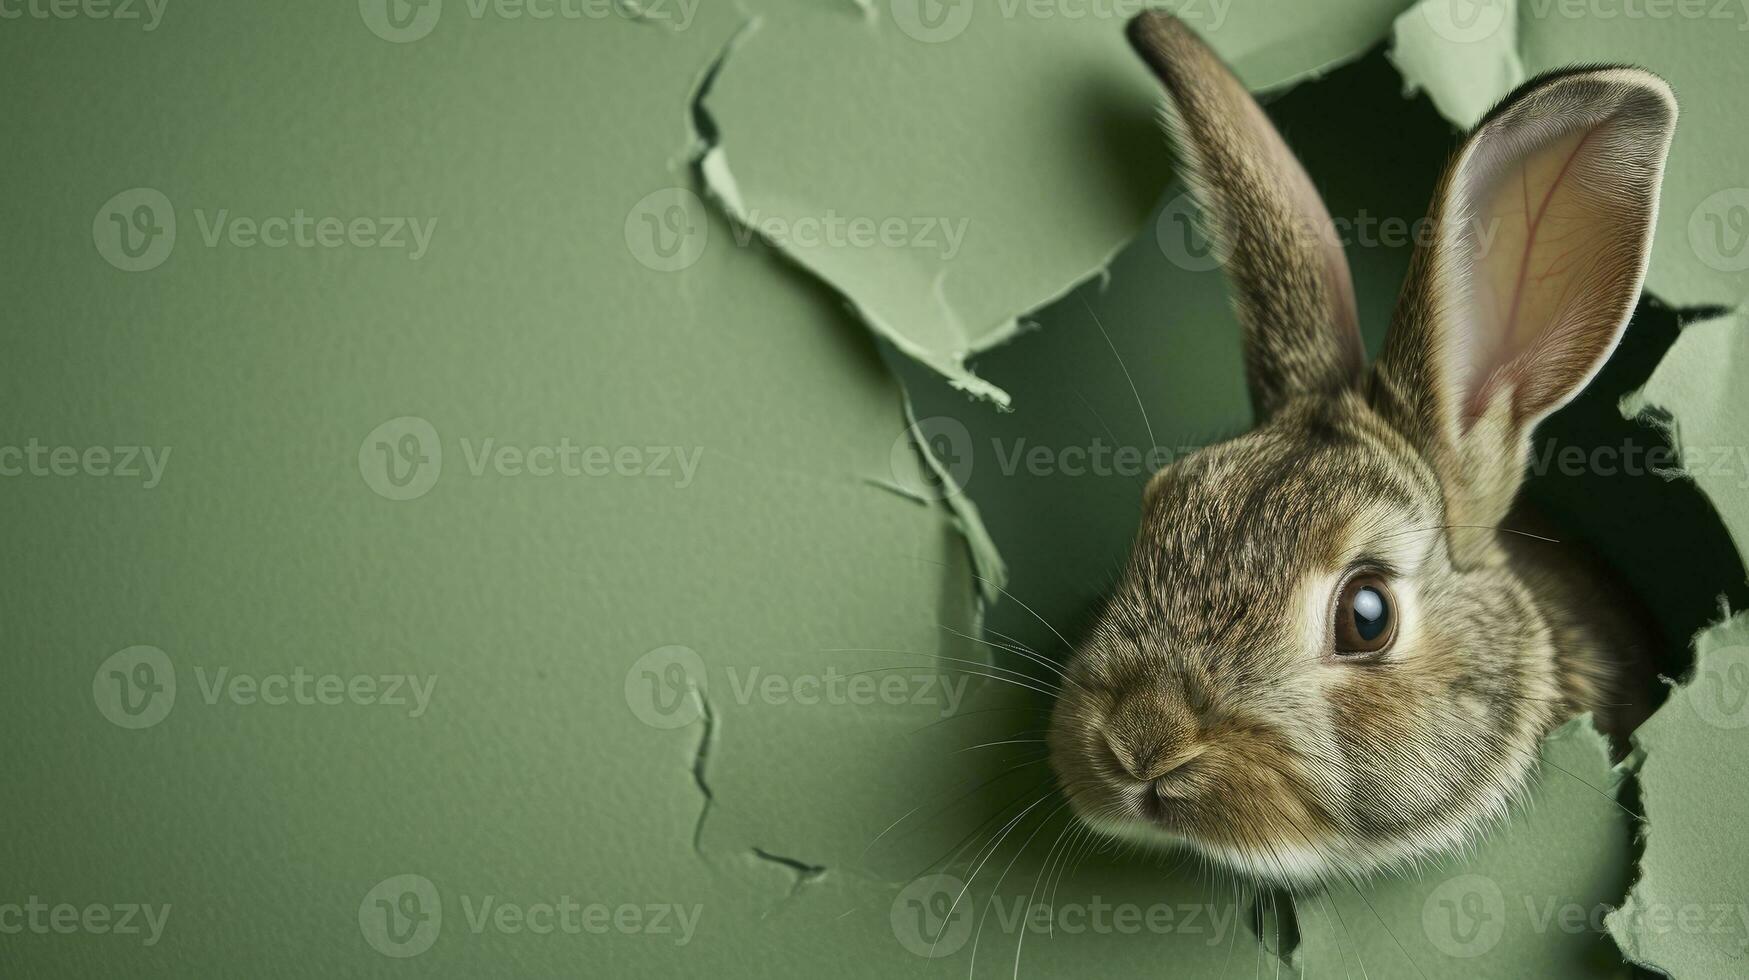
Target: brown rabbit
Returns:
[[1325, 656]]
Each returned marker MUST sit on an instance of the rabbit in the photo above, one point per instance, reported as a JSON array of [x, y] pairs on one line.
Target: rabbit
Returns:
[[1326, 655]]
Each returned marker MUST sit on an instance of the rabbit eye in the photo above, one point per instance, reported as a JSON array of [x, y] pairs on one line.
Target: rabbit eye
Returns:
[[1366, 619]]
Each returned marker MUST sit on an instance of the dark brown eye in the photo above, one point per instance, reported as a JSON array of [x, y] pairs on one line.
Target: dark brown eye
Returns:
[[1366, 615]]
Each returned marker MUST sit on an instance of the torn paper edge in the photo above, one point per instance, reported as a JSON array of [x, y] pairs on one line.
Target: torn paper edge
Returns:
[[722, 189], [711, 165], [1430, 62], [1638, 406]]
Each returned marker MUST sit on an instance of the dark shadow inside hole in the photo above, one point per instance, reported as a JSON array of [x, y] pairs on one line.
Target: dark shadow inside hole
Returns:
[[1592, 477]]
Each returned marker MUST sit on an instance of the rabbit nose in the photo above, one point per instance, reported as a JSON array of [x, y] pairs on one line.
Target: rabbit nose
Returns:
[[1151, 736], [1149, 761]]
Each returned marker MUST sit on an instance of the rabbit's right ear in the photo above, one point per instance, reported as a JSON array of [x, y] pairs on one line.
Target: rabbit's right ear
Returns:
[[1291, 286], [1541, 231]]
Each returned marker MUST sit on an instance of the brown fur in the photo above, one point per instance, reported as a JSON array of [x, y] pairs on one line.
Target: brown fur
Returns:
[[1208, 706]]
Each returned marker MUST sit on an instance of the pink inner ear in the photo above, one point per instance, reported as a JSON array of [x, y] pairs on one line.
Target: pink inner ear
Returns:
[[1517, 334], [1512, 297], [1555, 205]]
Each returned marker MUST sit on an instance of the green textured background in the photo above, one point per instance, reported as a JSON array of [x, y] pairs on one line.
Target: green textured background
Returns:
[[557, 760]]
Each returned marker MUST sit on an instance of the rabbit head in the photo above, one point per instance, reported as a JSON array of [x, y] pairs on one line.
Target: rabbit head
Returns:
[[1319, 660]]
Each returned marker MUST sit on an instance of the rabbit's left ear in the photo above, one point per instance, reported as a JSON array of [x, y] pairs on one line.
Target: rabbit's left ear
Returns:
[[1291, 285], [1541, 232]]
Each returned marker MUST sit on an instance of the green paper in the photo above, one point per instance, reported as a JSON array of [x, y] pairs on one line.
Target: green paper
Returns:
[[999, 198], [741, 685], [556, 759], [1463, 54], [1688, 915]]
